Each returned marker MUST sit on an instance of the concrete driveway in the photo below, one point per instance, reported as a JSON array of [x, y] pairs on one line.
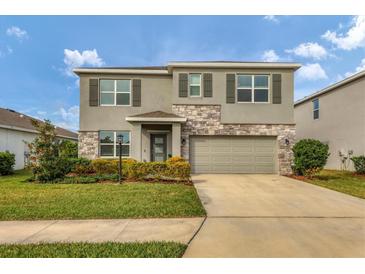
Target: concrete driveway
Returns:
[[275, 216]]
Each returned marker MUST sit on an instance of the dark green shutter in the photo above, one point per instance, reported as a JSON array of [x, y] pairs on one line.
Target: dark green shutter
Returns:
[[93, 92], [276, 88], [231, 88], [183, 85], [136, 85], [208, 84]]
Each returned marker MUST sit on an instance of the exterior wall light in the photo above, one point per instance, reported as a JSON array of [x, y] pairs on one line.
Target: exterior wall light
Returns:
[[287, 141]]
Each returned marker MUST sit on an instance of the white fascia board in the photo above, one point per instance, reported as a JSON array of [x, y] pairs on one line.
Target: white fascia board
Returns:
[[79, 71], [234, 65], [152, 119]]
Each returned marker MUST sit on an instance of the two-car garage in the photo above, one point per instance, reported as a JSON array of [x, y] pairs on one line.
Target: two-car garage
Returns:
[[233, 154]]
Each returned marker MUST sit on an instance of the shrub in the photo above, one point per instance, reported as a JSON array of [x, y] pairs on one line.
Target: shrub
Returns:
[[180, 170], [359, 164], [105, 166], [68, 149], [7, 162], [175, 159], [174, 169], [83, 166], [310, 156], [46, 163], [110, 166], [52, 170]]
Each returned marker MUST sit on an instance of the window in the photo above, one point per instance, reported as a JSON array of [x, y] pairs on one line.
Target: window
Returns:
[[109, 143], [194, 84], [115, 92], [315, 109], [253, 88]]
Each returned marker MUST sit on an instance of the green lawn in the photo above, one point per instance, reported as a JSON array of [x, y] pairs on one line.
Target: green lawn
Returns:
[[342, 181], [94, 250], [20, 200]]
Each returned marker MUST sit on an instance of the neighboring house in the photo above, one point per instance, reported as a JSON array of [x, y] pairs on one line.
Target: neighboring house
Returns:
[[224, 117], [336, 116], [16, 129]]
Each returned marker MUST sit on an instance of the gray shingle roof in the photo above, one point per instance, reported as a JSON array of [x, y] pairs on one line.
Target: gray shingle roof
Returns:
[[156, 114], [12, 118]]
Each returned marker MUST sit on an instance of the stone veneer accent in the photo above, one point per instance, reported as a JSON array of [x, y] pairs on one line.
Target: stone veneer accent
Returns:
[[205, 120], [89, 144]]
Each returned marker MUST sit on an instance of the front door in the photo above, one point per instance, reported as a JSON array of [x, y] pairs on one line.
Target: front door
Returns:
[[158, 147]]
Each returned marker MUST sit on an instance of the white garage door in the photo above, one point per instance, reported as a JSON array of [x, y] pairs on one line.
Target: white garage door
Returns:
[[232, 154]]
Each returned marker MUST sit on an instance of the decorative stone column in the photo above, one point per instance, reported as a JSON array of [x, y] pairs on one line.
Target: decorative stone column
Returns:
[[88, 144]]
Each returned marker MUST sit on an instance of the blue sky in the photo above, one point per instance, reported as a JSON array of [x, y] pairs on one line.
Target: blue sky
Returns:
[[37, 53]]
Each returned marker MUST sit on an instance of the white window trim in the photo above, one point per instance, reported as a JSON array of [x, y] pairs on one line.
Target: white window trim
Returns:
[[115, 92], [196, 85], [314, 109], [253, 89], [115, 145]]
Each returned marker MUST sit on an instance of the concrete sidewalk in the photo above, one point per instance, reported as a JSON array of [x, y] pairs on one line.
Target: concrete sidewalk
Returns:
[[120, 230]]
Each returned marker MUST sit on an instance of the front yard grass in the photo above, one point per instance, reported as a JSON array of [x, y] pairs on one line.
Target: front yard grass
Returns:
[[94, 250], [21, 200], [342, 181]]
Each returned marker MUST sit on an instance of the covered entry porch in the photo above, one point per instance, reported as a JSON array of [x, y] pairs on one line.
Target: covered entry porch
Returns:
[[156, 136]]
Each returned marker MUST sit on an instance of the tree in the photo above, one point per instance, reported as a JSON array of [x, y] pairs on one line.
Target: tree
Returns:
[[46, 163], [68, 149]]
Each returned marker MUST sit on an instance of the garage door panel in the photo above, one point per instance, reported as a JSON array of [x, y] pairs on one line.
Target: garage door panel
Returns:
[[243, 168], [242, 159], [221, 159], [221, 168], [232, 154], [202, 168], [264, 168], [219, 149], [264, 159]]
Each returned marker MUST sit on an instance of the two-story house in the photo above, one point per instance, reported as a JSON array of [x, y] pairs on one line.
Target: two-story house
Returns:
[[224, 117], [335, 115]]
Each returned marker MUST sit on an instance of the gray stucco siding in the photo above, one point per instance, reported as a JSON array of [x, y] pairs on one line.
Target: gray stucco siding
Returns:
[[341, 122], [251, 113], [155, 95]]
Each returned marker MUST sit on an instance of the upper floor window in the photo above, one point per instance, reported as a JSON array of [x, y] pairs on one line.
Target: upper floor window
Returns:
[[315, 109], [252, 88], [109, 145], [195, 85], [115, 92]]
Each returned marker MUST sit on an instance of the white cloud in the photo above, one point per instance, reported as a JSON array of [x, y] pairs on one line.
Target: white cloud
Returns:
[[309, 50], [270, 56], [312, 72], [17, 32], [359, 68], [4, 51], [352, 39], [68, 118], [73, 59], [272, 18]]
